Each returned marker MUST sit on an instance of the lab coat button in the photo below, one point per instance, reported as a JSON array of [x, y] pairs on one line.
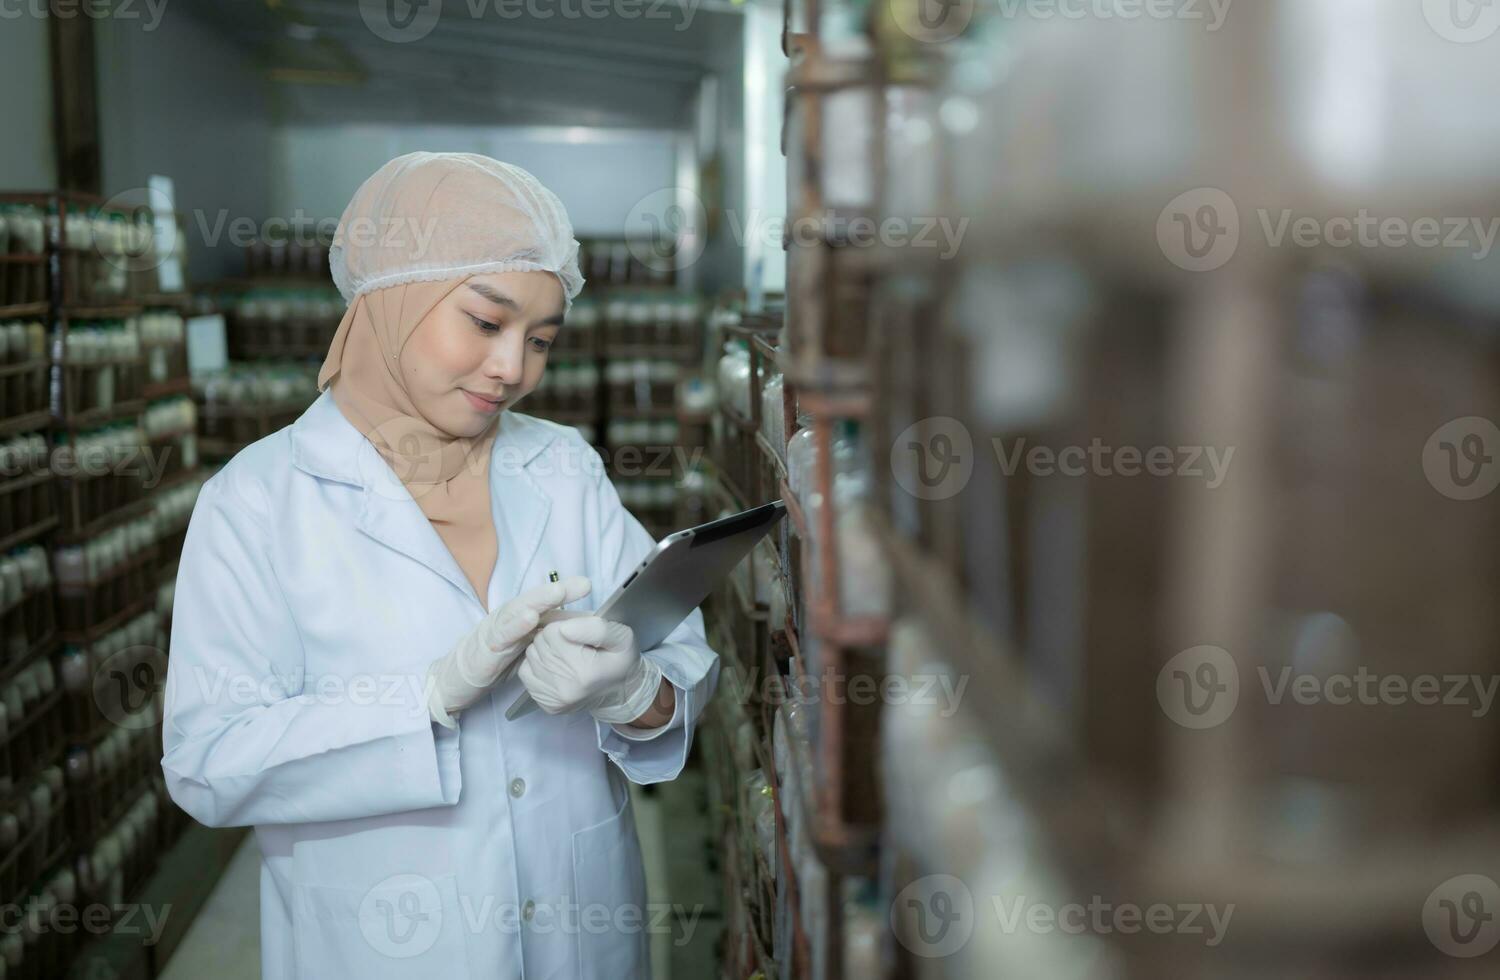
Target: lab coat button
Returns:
[[528, 909], [517, 787]]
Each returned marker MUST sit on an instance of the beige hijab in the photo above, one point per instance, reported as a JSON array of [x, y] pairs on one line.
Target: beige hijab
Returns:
[[447, 475]]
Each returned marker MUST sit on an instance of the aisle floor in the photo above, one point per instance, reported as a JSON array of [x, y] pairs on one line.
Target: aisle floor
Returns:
[[224, 941]]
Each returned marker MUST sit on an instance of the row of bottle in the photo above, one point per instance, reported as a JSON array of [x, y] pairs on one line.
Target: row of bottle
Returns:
[[94, 452], [107, 232], [83, 564], [131, 841], [20, 696], [760, 580], [249, 385], [570, 379], [635, 369], [80, 664], [618, 262], [95, 342], [647, 494], [22, 572], [174, 507], [643, 432], [22, 341], [31, 810], [286, 258], [733, 376], [865, 575], [265, 307], [119, 748], [170, 416], [23, 455], [23, 230], [161, 327]]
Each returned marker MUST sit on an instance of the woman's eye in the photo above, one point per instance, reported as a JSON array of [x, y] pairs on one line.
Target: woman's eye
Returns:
[[541, 344], [484, 325]]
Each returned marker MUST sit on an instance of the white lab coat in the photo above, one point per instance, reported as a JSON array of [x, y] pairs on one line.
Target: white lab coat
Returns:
[[311, 596]]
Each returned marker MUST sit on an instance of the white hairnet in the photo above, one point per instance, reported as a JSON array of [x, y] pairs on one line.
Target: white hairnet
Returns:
[[433, 216]]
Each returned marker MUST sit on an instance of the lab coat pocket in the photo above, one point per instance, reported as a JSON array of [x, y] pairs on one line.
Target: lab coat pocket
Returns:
[[611, 884], [404, 927]]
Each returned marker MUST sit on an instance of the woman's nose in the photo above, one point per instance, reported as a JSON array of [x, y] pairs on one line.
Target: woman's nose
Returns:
[[507, 357]]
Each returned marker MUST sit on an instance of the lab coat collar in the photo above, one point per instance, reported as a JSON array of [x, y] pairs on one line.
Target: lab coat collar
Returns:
[[326, 444]]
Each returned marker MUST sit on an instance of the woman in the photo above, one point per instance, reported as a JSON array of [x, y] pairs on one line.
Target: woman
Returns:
[[362, 593]]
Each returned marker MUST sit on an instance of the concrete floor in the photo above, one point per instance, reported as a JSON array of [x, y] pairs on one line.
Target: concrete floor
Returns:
[[224, 941]]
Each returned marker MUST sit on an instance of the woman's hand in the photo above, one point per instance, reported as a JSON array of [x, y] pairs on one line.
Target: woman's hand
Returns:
[[463, 675], [590, 664]]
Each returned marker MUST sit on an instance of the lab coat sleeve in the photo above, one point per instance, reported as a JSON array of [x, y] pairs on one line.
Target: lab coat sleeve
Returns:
[[685, 658], [247, 739]]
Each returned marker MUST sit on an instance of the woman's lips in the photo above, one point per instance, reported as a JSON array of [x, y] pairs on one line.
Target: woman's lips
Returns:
[[481, 404]]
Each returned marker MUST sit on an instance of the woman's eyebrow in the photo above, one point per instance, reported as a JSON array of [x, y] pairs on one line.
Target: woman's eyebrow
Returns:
[[494, 296], [500, 299]]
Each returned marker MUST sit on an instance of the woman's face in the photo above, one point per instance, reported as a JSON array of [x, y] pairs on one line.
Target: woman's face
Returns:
[[486, 341]]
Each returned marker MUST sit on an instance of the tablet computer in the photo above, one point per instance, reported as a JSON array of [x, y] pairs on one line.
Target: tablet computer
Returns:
[[677, 576]]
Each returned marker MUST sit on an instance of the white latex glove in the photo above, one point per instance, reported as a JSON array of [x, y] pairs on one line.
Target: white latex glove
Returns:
[[464, 674], [589, 664]]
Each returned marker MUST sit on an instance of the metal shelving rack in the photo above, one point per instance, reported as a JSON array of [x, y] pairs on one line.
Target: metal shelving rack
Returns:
[[67, 720]]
